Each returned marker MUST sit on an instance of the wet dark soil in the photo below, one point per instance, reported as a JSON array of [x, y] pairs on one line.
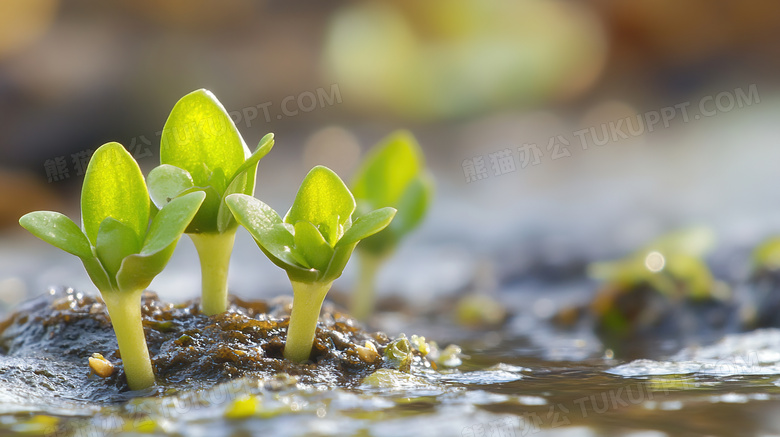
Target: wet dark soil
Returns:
[[47, 342]]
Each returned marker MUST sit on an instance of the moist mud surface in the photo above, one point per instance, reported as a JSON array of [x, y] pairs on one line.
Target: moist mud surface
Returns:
[[224, 376], [47, 342]]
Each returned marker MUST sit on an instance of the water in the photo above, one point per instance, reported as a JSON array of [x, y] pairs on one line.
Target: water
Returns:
[[730, 388]]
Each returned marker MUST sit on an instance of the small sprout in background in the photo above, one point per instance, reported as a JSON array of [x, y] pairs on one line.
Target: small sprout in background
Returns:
[[201, 150], [392, 175], [766, 256], [312, 244], [119, 247], [479, 310], [672, 265], [639, 291], [398, 354], [101, 366]]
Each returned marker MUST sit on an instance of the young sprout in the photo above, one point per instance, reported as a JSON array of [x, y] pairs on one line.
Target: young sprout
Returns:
[[643, 295], [393, 174], [672, 265], [312, 244], [201, 150], [121, 250], [766, 256]]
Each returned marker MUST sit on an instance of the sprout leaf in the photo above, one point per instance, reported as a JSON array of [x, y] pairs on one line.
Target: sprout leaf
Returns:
[[168, 225], [414, 203], [365, 226], [115, 241], [59, 231], [250, 165], [368, 225], [138, 270], [311, 245], [114, 187], [268, 230], [200, 137], [166, 182], [243, 181], [324, 201], [388, 169], [97, 274]]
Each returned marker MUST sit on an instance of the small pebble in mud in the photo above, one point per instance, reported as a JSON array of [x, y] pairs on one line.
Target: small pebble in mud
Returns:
[[101, 366], [368, 353]]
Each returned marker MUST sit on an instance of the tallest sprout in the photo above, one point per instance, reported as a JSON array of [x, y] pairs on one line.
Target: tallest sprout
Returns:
[[201, 150]]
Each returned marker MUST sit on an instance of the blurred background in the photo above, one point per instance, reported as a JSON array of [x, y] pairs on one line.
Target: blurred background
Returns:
[[622, 120]]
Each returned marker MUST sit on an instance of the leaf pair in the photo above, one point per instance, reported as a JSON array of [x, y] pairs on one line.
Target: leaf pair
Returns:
[[393, 174], [202, 150], [120, 249], [317, 236]]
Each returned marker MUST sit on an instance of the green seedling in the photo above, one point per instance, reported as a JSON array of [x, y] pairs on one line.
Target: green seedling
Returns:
[[121, 248], [201, 150], [392, 175], [672, 265], [312, 244], [766, 256]]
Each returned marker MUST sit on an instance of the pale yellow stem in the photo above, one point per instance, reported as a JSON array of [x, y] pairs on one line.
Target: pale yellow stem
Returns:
[[124, 308], [214, 250], [307, 302], [363, 296]]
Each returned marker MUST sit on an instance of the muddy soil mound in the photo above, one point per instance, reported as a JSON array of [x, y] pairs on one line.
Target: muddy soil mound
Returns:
[[45, 346]]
